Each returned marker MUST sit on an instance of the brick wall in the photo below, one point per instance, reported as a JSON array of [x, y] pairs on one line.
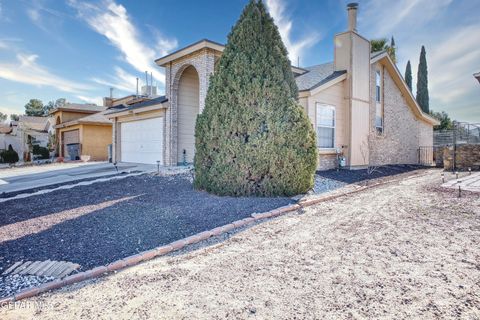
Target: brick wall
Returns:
[[402, 132], [327, 161], [204, 63]]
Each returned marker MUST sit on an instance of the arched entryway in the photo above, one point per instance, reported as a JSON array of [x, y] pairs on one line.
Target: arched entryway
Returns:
[[188, 109]]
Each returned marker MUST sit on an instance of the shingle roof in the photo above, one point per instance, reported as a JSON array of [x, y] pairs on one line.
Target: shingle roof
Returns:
[[4, 128], [80, 107], [151, 102], [33, 123], [99, 118], [316, 76]]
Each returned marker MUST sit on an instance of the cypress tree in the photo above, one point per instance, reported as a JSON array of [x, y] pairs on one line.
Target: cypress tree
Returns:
[[253, 138], [422, 82], [408, 75]]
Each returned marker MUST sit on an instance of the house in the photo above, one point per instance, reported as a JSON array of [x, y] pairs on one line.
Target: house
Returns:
[[25, 133], [359, 104], [83, 131]]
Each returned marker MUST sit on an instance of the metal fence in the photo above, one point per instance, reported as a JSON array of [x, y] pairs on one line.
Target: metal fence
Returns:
[[426, 156], [462, 133]]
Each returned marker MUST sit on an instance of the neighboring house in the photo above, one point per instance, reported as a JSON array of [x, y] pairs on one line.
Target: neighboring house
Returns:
[[25, 133], [82, 131], [477, 76], [359, 105]]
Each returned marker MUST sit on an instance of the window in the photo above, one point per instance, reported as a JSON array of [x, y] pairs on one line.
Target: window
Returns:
[[378, 83], [325, 126], [378, 104]]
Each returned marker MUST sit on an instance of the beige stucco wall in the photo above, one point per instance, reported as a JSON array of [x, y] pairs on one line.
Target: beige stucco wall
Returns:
[[403, 132], [334, 96], [95, 140], [188, 109]]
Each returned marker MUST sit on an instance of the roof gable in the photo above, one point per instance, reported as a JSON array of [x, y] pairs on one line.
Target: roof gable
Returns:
[[397, 77]]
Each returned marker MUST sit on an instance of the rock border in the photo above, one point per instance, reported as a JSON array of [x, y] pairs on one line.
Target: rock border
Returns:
[[180, 244]]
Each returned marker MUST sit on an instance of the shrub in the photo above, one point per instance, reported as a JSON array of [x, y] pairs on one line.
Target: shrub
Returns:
[[253, 138], [9, 155], [41, 151]]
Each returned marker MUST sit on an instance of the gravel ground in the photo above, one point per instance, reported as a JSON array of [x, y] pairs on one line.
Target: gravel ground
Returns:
[[100, 223], [14, 283], [405, 250]]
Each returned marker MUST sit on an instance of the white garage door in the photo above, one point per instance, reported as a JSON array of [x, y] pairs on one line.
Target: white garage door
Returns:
[[142, 141]]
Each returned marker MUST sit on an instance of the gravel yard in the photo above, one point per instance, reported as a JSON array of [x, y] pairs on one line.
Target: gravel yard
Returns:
[[405, 250], [100, 223]]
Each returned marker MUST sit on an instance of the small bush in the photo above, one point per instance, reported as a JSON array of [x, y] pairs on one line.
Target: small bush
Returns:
[[41, 151], [10, 155]]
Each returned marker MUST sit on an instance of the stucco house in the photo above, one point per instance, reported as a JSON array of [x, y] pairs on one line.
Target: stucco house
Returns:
[[83, 131], [359, 105]]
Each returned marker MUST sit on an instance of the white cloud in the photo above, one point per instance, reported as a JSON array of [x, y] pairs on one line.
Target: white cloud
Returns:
[[112, 21], [383, 17], [122, 80], [97, 100], [451, 41], [284, 24], [26, 70]]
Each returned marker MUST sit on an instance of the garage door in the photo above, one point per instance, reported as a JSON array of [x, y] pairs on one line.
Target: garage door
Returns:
[[70, 137], [142, 141]]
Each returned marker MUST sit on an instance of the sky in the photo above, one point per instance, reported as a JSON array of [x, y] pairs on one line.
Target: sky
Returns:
[[77, 50]]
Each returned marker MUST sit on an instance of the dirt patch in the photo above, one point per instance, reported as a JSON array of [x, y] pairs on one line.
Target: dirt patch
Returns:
[[403, 250]]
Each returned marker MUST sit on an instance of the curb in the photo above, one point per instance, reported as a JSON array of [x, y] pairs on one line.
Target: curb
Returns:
[[174, 246]]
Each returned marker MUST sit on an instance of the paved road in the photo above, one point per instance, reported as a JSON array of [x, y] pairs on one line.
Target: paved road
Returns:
[[18, 179]]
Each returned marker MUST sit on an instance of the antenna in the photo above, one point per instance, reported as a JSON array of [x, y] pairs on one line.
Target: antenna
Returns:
[[151, 83], [146, 81]]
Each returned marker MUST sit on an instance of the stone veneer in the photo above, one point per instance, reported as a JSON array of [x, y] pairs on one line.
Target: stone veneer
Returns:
[[466, 156], [403, 133], [204, 63], [327, 161]]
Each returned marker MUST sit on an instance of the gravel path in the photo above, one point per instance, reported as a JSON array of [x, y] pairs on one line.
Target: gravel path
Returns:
[[97, 224], [407, 250]]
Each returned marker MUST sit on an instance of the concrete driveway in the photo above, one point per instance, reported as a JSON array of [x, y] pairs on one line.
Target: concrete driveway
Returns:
[[24, 178]]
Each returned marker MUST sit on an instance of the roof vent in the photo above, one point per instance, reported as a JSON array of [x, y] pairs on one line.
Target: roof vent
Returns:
[[352, 16]]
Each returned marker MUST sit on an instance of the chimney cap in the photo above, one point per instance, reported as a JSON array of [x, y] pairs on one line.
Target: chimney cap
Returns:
[[352, 5]]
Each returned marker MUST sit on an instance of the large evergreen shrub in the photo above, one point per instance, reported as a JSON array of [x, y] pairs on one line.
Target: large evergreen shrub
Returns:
[[253, 138], [9, 155], [422, 82]]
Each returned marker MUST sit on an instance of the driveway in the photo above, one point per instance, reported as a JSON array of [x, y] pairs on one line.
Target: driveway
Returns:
[[406, 250], [25, 178]]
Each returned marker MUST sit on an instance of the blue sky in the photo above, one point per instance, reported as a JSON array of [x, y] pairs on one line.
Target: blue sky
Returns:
[[78, 50]]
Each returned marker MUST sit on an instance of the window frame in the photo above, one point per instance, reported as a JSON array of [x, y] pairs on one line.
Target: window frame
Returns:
[[379, 98], [334, 127]]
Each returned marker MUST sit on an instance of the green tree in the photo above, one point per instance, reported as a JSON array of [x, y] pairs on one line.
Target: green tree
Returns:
[[3, 117], [445, 122], [253, 138], [392, 50], [14, 117], [408, 75], [51, 105], [422, 82], [377, 45], [34, 108]]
